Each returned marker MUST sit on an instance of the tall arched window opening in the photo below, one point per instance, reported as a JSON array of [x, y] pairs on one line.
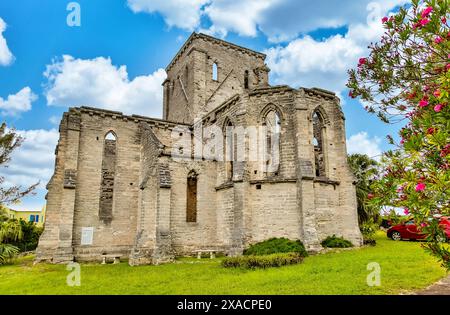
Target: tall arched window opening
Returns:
[[272, 126], [108, 175], [318, 135]]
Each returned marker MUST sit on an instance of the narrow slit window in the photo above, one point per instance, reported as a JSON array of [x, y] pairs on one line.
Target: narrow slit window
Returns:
[[246, 79], [229, 151], [215, 72], [191, 202]]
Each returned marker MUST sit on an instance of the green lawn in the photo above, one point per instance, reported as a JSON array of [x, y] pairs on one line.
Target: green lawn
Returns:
[[404, 267]]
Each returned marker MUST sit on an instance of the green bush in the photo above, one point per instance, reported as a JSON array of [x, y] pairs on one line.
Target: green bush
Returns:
[[263, 261], [336, 242], [30, 236], [276, 245], [368, 230]]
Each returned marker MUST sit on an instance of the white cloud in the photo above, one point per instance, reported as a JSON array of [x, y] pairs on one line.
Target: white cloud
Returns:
[[237, 16], [184, 14], [363, 144], [17, 103], [279, 20], [323, 63], [54, 120], [98, 83], [6, 57], [31, 163], [307, 62]]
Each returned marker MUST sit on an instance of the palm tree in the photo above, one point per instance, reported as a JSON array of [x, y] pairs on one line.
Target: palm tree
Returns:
[[364, 168], [9, 231]]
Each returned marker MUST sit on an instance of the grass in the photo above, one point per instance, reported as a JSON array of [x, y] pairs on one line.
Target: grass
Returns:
[[405, 267]]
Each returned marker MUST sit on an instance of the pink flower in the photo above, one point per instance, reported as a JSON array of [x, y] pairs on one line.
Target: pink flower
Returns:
[[437, 93], [426, 12], [423, 103], [420, 187], [424, 22], [423, 224], [384, 20], [438, 40], [447, 66], [362, 61], [406, 212], [438, 108], [431, 130], [444, 20]]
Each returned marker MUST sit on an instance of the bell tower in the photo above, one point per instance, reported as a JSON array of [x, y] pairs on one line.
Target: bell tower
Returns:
[[205, 73]]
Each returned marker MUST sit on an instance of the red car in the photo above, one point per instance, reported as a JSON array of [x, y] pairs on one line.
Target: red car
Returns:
[[410, 231]]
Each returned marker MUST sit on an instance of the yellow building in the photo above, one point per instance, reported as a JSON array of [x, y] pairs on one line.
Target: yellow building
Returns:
[[27, 215]]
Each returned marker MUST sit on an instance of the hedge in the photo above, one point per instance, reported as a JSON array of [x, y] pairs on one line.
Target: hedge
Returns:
[[263, 261], [276, 245]]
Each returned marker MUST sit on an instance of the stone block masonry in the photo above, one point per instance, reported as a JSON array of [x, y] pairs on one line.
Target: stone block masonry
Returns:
[[146, 189]]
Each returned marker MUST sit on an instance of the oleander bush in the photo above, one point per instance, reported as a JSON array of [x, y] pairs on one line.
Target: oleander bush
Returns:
[[336, 242], [262, 261], [276, 245]]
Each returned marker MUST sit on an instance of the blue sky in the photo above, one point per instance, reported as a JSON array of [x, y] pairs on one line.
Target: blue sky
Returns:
[[114, 59]]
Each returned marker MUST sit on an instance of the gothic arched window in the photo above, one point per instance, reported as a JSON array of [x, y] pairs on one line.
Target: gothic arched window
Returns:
[[272, 124], [318, 137], [108, 175]]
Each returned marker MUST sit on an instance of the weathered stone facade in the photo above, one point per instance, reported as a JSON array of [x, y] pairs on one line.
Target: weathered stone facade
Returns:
[[152, 189]]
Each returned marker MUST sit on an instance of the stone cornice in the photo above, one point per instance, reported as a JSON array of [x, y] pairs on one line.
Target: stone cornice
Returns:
[[320, 92], [133, 118], [271, 90]]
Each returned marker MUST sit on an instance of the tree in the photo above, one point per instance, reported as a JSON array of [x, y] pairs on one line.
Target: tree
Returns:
[[406, 78], [9, 141], [364, 169], [10, 231]]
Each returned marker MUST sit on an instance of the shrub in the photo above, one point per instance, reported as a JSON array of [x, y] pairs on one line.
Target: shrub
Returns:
[[336, 242], [30, 236], [262, 261], [276, 245], [368, 230]]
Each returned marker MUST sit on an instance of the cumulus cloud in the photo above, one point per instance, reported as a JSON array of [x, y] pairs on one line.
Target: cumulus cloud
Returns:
[[362, 143], [279, 20], [6, 57], [17, 103], [310, 62], [184, 14], [33, 161], [98, 83], [240, 17], [307, 62]]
